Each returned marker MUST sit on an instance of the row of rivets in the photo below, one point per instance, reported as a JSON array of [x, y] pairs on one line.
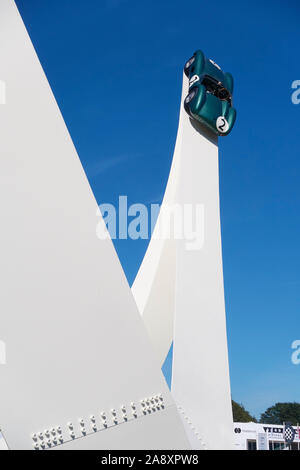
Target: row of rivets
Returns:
[[152, 404], [124, 414], [54, 436], [197, 434], [93, 423], [47, 438]]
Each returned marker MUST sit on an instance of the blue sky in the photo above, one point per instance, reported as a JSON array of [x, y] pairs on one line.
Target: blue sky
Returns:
[[115, 68]]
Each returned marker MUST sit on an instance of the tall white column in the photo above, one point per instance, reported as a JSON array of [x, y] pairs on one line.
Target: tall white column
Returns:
[[192, 293]]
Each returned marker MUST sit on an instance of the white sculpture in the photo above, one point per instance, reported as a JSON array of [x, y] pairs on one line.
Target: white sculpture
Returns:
[[179, 292]]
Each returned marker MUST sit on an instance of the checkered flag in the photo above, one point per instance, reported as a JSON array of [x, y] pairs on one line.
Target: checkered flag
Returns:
[[289, 433]]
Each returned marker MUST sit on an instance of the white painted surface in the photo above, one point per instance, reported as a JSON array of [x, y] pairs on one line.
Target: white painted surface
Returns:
[[200, 376], [154, 285], [3, 445], [75, 342], [136, 434], [195, 296]]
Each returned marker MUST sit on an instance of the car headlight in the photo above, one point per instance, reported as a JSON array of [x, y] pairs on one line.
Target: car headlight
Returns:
[[188, 64]]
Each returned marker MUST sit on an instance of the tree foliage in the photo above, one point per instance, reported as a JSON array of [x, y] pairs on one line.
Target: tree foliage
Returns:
[[240, 415], [282, 412]]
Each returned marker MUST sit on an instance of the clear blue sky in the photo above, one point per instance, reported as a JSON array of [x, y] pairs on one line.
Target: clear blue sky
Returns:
[[115, 68]]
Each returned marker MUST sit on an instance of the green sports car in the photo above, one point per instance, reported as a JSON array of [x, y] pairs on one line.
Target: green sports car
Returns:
[[210, 94]]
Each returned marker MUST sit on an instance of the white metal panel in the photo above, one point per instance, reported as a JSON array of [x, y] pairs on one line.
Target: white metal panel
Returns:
[[140, 434], [75, 342], [200, 376]]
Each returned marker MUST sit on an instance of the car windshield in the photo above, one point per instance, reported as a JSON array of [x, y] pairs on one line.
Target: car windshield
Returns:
[[216, 88]]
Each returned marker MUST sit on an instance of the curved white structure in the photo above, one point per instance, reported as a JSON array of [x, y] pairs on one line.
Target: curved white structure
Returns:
[[78, 360], [179, 292], [154, 285]]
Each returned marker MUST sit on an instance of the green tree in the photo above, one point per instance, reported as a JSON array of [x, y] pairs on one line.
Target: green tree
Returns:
[[282, 412], [240, 415]]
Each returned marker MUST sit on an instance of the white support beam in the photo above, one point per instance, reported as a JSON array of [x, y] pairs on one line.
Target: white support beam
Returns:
[[75, 343]]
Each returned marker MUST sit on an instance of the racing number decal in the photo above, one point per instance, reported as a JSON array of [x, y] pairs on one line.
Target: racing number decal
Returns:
[[193, 79], [222, 125]]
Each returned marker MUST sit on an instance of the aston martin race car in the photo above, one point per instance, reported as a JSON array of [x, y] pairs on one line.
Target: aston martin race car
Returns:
[[210, 94]]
